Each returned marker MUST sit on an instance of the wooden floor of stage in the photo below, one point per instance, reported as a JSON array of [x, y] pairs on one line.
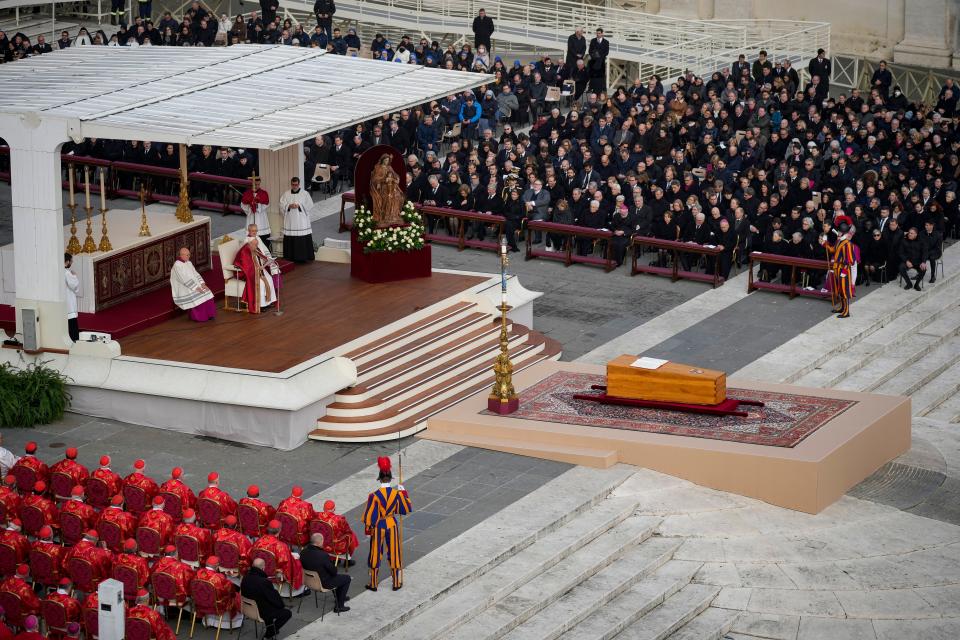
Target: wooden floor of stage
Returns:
[[323, 308]]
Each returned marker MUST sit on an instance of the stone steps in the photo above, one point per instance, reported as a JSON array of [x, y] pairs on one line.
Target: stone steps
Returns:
[[652, 609], [507, 550], [515, 573], [918, 372], [906, 338], [949, 411], [712, 624], [907, 311], [590, 595], [938, 390], [626, 545]]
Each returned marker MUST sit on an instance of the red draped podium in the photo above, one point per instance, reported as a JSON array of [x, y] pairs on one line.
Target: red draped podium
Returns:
[[386, 266]]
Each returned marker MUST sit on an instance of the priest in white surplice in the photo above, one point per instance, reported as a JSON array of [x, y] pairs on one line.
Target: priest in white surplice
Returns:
[[295, 206], [257, 265], [190, 292]]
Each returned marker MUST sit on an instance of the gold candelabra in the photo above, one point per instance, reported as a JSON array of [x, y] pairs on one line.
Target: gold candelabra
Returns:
[[73, 245], [183, 204], [503, 398], [89, 245], [104, 238], [144, 227]]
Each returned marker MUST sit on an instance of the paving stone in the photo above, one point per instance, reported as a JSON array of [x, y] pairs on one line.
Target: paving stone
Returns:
[[711, 624], [948, 629], [887, 604], [767, 625], [812, 628], [735, 598], [795, 602]]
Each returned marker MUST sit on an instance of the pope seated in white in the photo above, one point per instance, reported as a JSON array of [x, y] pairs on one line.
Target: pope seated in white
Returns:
[[190, 292], [256, 264]]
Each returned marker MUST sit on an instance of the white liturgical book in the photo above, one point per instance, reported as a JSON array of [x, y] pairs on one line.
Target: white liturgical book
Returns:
[[648, 363]]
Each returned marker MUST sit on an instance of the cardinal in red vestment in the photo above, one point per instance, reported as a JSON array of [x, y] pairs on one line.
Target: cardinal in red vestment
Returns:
[[180, 573], [139, 490], [13, 538], [344, 540], [17, 585], [71, 606], [184, 494], [45, 546], [288, 566], [9, 498], [85, 554], [227, 596], [142, 611], [83, 516], [115, 517], [31, 629], [301, 511], [104, 483], [158, 520], [66, 474], [264, 512], [189, 529], [30, 469], [37, 503], [131, 560], [228, 535], [214, 493]]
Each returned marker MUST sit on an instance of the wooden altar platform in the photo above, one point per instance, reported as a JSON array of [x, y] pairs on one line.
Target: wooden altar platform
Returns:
[[323, 308]]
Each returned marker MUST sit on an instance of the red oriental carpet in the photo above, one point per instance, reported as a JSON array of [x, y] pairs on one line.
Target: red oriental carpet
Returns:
[[140, 313], [784, 421]]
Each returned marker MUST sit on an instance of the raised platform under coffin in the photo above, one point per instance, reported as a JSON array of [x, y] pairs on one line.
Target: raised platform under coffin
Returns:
[[803, 450]]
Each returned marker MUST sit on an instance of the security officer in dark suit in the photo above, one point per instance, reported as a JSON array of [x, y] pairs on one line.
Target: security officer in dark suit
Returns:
[[314, 558], [257, 587]]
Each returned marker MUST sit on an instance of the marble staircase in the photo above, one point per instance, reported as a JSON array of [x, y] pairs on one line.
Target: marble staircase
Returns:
[[583, 564], [423, 368]]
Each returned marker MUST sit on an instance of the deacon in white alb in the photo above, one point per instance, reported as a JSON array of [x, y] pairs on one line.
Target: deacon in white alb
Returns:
[[190, 292], [295, 206]]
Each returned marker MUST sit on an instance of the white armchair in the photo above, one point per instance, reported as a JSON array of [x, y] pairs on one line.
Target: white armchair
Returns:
[[233, 286]]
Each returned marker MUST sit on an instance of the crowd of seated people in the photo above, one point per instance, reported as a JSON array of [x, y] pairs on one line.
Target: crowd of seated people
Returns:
[[747, 159], [65, 529]]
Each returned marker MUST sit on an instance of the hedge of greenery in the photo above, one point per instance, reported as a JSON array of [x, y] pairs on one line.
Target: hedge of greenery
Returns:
[[32, 395]]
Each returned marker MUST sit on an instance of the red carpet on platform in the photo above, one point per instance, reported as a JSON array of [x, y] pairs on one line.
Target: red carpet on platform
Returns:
[[138, 314], [784, 422]]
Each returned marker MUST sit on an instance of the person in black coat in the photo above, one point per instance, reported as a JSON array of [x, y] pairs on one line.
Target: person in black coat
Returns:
[[576, 48], [933, 240], [820, 66], [913, 255], [257, 587], [314, 558], [482, 30]]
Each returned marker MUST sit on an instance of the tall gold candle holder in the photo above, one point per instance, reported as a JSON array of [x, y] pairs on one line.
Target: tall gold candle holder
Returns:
[[183, 203], [73, 245], [144, 227], [89, 245], [104, 238], [503, 397]]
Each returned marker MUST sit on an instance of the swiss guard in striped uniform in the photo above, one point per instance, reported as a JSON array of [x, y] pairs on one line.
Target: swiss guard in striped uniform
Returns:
[[842, 265], [382, 525]]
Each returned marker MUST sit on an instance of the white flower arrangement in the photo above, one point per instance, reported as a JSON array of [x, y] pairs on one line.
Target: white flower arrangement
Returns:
[[390, 239]]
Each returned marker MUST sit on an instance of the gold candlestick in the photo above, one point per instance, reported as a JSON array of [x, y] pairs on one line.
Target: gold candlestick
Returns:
[[503, 398], [89, 245], [183, 204], [73, 245], [104, 238], [144, 227]]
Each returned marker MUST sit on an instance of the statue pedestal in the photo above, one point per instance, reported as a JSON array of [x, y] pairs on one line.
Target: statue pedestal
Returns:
[[384, 266]]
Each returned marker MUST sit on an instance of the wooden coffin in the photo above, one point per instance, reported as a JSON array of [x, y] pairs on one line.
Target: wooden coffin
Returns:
[[672, 382]]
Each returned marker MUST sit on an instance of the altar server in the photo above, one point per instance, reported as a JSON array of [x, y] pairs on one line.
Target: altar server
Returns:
[[257, 265], [295, 206], [254, 203], [190, 292]]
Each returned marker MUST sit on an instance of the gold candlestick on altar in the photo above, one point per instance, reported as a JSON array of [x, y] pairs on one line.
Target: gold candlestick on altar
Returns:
[[183, 204], [89, 245], [144, 227], [503, 398], [104, 238], [73, 245]]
